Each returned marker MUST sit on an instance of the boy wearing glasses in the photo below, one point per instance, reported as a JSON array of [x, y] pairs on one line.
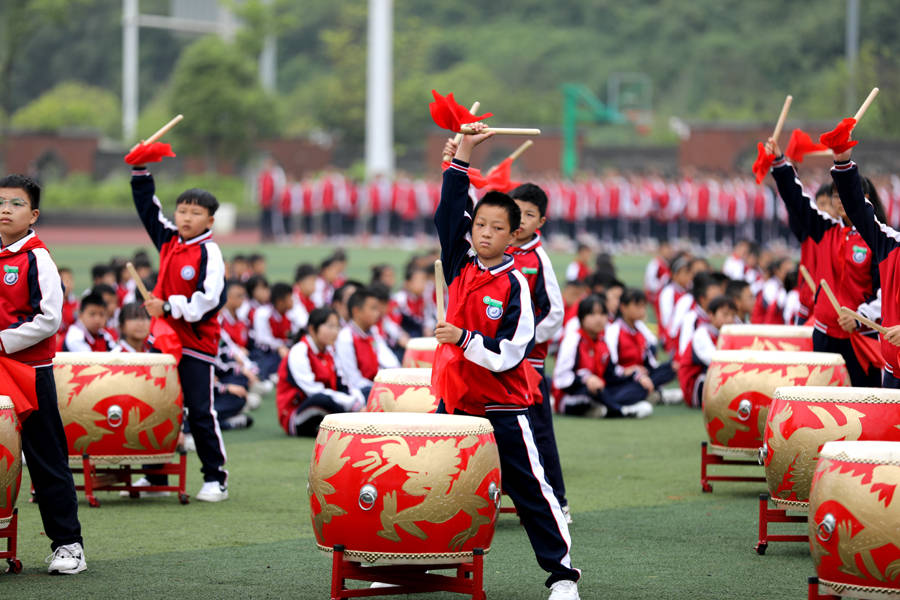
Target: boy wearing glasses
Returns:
[[30, 314]]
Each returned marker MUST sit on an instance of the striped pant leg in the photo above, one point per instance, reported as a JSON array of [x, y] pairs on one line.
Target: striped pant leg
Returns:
[[196, 384]]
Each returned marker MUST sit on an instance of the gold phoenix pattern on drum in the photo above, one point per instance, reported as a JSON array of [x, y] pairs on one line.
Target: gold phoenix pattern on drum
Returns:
[[420, 399], [727, 381], [868, 496], [444, 498], [77, 402], [798, 451], [768, 344], [10, 458]]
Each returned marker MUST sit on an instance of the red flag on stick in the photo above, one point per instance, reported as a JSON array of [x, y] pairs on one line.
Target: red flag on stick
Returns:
[[763, 162], [17, 380], [838, 139], [499, 177], [801, 145], [448, 114], [148, 153], [475, 176]]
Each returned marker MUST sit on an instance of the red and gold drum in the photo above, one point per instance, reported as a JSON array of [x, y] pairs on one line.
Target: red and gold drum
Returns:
[[420, 352], [854, 519], [404, 488], [402, 390], [10, 460], [739, 388], [119, 407], [802, 419], [792, 338]]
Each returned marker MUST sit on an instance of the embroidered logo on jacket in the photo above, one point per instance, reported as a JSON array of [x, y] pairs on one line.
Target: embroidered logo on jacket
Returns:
[[529, 270], [10, 274], [859, 254], [188, 272], [494, 308]]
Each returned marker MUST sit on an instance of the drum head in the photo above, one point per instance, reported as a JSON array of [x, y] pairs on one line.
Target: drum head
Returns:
[[772, 331], [422, 343], [819, 393], [403, 376], [374, 423], [113, 358], [777, 357], [863, 452]]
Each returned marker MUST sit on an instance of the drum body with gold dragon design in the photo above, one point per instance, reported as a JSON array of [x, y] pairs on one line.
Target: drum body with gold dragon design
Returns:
[[10, 460], [789, 338], [119, 407], [739, 388], [402, 390], [419, 352], [802, 419], [854, 519], [404, 488]]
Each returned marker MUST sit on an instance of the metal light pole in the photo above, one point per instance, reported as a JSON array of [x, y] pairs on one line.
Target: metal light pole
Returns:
[[379, 88], [852, 54], [129, 68]]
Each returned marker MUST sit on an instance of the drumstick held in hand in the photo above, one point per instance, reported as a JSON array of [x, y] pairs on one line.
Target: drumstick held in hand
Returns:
[[831, 297], [782, 117], [160, 132], [138, 281], [867, 322], [521, 149], [865, 105], [458, 138], [439, 289], [501, 130], [804, 272]]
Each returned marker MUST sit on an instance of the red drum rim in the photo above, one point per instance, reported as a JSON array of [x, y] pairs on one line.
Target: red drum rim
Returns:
[[422, 343], [405, 376], [406, 424], [823, 394], [863, 452], [777, 357], [150, 359], [775, 331]]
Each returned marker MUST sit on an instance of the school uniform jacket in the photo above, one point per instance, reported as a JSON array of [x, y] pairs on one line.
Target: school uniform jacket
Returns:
[[695, 361], [236, 329], [271, 329], [191, 273], [306, 371], [533, 263], [79, 339], [844, 260], [579, 357], [31, 299], [361, 354], [408, 311], [492, 305], [630, 346], [668, 298], [884, 242], [692, 322]]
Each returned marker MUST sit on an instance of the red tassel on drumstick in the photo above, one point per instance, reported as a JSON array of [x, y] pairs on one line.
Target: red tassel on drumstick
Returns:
[[163, 336], [150, 150], [450, 115], [838, 139], [801, 145]]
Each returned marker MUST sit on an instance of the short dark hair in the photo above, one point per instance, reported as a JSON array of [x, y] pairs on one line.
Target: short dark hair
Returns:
[[590, 303], [719, 302], [632, 296], [379, 270], [92, 299], [200, 198], [680, 261], [735, 287], [702, 282], [102, 288], [100, 270], [380, 291], [412, 269], [131, 311], [253, 282], [350, 284], [230, 283], [791, 279], [319, 316], [303, 271], [23, 182], [826, 189], [280, 291], [358, 298], [503, 201], [529, 192], [238, 257]]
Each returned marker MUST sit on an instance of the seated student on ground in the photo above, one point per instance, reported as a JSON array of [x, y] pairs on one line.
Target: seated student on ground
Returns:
[[770, 301], [342, 297], [669, 297], [706, 286], [231, 388], [237, 330], [87, 334], [632, 346], [408, 303], [384, 274], [304, 287], [111, 301], [258, 294], [134, 329], [272, 331], [359, 348], [310, 385], [739, 292], [579, 269], [389, 329], [697, 355]]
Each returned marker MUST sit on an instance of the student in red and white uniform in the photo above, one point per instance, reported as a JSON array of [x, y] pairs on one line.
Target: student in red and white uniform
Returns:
[[389, 330], [845, 262], [408, 304], [698, 352], [360, 350], [70, 300], [480, 368], [269, 188], [632, 346], [134, 329], [735, 266], [237, 330], [739, 292], [310, 385], [305, 277], [272, 330], [770, 301], [670, 295], [706, 287], [579, 268], [330, 277], [657, 274], [258, 294], [88, 333]]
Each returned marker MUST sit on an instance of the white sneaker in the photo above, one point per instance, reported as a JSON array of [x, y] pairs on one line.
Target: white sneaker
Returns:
[[188, 443], [672, 396], [638, 410], [142, 482], [568, 514], [597, 411], [254, 401], [67, 560], [212, 491], [238, 421], [262, 387], [564, 590]]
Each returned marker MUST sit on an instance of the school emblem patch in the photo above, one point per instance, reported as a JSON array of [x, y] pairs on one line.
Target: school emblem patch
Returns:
[[494, 308], [10, 274], [188, 272], [859, 254]]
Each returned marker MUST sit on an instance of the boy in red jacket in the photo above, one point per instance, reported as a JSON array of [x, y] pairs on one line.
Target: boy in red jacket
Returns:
[[480, 367], [189, 292], [32, 300]]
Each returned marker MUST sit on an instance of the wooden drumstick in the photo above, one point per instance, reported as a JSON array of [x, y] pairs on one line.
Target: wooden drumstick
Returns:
[[439, 282], [500, 130], [867, 322], [865, 105], [160, 132], [782, 117], [138, 281], [831, 297], [804, 272], [458, 137], [521, 149]]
